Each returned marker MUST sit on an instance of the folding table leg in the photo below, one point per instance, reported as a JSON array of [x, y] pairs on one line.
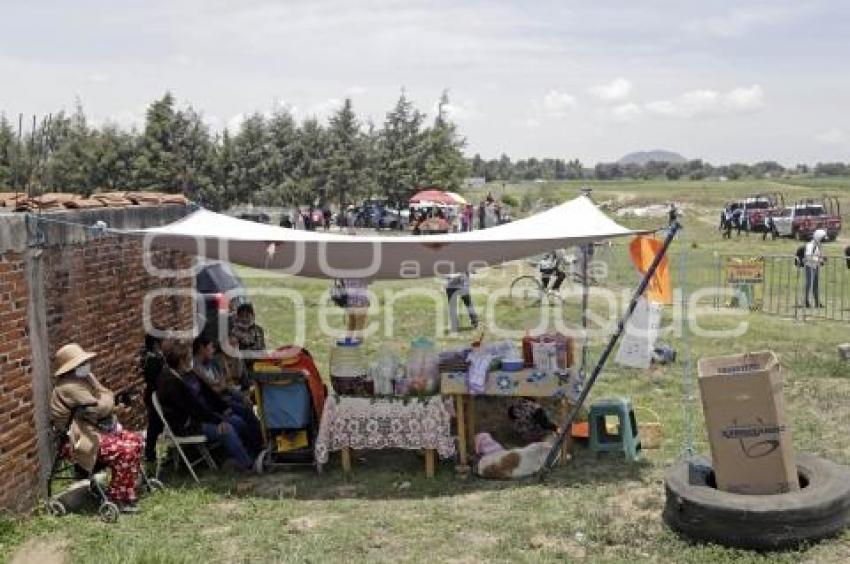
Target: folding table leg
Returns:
[[430, 456]]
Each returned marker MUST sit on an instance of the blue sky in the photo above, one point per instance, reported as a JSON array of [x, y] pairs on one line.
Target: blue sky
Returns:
[[725, 81]]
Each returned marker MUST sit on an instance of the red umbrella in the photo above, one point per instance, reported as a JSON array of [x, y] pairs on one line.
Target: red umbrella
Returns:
[[433, 196]]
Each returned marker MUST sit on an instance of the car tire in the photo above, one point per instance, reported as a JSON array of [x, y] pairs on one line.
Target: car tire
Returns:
[[820, 509]]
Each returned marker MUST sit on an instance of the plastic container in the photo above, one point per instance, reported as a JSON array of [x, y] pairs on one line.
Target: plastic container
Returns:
[[423, 367], [512, 364], [563, 345], [349, 374], [383, 372]]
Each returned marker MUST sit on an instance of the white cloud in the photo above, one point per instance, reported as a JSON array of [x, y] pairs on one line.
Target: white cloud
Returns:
[[98, 78], [463, 110], [626, 112], [323, 110], [702, 103], [355, 91], [740, 21], [235, 123], [556, 103], [617, 90], [181, 59], [833, 136], [746, 99]]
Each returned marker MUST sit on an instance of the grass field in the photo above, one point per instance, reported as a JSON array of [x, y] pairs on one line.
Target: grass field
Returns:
[[601, 510]]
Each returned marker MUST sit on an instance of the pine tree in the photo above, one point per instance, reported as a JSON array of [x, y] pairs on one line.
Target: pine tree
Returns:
[[155, 160], [313, 142], [72, 165], [192, 157], [347, 160], [445, 165], [8, 155], [400, 151], [251, 152], [285, 154]]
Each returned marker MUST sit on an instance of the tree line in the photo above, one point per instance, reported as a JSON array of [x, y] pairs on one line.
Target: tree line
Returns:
[[505, 170], [271, 159]]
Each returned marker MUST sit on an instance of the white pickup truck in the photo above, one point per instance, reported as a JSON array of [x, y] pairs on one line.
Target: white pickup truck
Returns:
[[801, 220]]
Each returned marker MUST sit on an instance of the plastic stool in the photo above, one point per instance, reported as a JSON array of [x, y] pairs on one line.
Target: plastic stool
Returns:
[[627, 440]]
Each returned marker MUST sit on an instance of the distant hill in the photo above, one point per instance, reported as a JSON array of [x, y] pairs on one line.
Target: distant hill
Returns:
[[643, 157]]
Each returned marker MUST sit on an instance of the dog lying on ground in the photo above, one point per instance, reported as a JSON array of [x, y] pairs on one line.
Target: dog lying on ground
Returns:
[[499, 463]]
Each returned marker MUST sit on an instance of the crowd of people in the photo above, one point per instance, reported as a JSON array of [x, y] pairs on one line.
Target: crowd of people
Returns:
[[736, 219], [201, 390]]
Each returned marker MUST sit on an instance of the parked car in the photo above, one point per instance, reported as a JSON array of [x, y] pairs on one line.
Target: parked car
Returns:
[[802, 219], [258, 217], [394, 219], [219, 291]]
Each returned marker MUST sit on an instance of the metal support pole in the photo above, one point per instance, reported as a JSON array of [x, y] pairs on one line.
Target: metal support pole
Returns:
[[566, 425]]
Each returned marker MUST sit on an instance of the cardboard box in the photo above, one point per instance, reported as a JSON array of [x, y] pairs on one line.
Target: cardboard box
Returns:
[[750, 439]]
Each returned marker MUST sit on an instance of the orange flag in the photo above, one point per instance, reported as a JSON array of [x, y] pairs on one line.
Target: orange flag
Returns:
[[642, 251]]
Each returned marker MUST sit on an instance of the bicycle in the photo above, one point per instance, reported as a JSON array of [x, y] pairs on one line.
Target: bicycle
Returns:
[[527, 290]]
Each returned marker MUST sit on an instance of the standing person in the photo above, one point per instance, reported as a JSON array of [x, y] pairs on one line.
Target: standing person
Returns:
[[498, 212], [468, 212], [812, 261], [737, 221], [457, 286], [326, 214], [85, 409], [482, 215], [769, 227], [727, 223], [723, 213], [153, 363], [308, 219]]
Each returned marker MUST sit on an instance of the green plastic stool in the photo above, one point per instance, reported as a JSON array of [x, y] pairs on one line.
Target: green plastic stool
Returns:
[[627, 440]]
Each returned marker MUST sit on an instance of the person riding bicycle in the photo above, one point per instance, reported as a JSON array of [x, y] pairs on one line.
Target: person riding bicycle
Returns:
[[553, 262]]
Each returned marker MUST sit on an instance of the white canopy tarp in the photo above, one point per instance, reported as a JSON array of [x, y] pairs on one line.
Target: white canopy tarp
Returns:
[[332, 255]]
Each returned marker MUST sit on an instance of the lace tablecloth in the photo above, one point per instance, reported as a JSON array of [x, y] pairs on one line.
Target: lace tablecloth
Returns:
[[379, 423]]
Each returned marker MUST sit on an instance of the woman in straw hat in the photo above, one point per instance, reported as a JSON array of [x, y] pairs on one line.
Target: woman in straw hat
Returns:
[[84, 407]]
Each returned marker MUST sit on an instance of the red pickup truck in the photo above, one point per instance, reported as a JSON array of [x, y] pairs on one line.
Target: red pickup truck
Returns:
[[803, 218]]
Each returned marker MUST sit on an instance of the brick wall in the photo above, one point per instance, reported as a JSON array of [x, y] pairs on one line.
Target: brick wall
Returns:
[[94, 294], [18, 458]]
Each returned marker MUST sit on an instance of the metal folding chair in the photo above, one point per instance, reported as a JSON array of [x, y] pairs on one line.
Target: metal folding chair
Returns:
[[198, 441]]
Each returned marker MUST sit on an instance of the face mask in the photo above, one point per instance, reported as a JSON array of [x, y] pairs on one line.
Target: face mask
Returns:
[[83, 371]]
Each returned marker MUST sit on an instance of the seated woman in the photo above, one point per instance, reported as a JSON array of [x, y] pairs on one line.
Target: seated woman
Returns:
[[85, 408], [186, 414], [208, 382]]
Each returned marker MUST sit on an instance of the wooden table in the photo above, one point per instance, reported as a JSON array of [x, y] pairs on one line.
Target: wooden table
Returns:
[[358, 423], [524, 383]]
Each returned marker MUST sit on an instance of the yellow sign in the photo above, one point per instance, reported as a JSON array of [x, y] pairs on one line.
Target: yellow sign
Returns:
[[746, 275]]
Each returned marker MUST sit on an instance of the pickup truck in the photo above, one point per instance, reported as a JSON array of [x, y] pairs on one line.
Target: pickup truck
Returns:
[[757, 207], [802, 219]]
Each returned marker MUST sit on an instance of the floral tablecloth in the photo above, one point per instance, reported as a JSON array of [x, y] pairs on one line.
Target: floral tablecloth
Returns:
[[380, 423]]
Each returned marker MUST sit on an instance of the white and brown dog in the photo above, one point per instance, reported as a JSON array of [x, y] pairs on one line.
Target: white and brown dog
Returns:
[[499, 463]]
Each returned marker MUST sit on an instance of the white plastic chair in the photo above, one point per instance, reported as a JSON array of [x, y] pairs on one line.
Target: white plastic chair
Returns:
[[198, 441]]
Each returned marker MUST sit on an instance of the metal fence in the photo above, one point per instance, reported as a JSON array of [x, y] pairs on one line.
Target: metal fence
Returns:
[[777, 288], [782, 289]]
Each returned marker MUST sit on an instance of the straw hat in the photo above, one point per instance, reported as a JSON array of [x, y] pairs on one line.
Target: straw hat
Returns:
[[71, 356]]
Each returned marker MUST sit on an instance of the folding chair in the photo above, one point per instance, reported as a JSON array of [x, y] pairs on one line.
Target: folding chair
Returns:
[[198, 441]]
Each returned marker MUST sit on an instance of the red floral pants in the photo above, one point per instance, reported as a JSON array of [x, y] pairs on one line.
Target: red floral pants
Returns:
[[121, 453]]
